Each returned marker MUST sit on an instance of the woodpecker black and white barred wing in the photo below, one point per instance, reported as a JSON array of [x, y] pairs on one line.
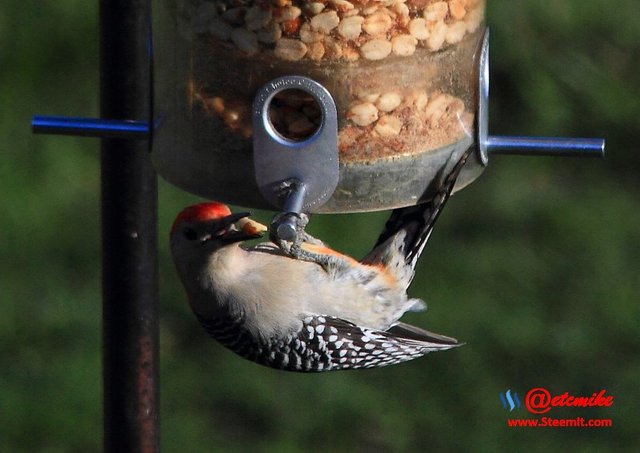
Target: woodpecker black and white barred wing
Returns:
[[330, 343], [326, 343]]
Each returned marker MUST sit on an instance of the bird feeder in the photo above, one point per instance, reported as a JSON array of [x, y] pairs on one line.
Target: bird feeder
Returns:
[[359, 103], [339, 106], [364, 102]]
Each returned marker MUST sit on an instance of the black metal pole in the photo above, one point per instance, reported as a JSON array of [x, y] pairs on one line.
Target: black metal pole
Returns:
[[129, 218]]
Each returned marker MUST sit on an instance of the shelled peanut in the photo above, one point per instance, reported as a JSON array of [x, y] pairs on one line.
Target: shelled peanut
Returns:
[[326, 30]]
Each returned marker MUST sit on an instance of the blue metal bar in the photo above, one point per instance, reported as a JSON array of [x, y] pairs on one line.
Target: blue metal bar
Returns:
[[546, 146], [91, 127]]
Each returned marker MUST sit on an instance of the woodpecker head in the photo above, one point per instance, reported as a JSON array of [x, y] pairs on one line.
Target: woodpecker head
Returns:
[[207, 227]]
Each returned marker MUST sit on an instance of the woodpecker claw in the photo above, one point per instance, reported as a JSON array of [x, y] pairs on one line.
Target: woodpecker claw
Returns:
[[294, 247]]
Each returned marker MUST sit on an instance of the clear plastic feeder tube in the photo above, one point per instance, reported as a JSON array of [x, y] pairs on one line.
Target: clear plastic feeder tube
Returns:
[[403, 75]]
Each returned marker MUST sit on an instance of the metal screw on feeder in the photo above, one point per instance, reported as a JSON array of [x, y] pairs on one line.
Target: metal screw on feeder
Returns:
[[529, 146]]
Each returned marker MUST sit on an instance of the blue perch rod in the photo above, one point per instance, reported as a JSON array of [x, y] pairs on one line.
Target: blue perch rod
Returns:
[[90, 127], [545, 146]]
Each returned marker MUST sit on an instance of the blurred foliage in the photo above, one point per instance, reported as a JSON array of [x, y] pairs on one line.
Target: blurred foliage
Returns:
[[535, 266]]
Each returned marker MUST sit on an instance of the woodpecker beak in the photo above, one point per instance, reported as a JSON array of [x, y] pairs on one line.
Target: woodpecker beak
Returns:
[[237, 227]]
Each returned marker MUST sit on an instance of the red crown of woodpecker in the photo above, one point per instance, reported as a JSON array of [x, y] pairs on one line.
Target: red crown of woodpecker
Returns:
[[202, 212]]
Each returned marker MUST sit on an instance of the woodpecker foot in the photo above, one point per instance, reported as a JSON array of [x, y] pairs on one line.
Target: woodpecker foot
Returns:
[[292, 245], [298, 252]]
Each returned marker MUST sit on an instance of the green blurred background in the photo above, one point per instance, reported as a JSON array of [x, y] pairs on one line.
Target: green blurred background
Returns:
[[535, 266]]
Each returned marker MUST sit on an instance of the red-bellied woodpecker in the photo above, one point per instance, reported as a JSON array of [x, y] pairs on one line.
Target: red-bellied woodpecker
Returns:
[[318, 311]]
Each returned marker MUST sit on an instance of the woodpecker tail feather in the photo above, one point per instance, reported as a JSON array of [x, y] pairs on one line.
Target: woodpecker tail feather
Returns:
[[409, 332], [408, 229]]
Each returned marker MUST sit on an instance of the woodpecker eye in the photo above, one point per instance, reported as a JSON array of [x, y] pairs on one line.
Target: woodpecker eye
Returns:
[[190, 234]]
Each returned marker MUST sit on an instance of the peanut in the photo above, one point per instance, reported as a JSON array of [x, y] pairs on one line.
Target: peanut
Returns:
[[404, 45], [388, 101], [325, 22], [290, 49], [377, 23], [376, 49], [351, 27], [363, 114], [418, 28], [388, 125]]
